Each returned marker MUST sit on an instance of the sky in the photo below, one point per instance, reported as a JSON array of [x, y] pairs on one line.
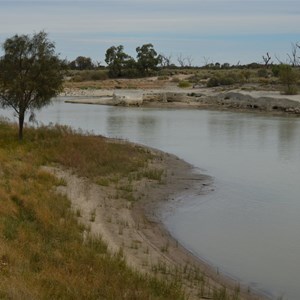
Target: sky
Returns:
[[206, 30]]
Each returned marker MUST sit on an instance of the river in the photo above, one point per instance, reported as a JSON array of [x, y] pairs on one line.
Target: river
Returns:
[[248, 227]]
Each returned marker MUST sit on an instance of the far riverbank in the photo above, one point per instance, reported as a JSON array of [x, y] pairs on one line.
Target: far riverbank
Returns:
[[261, 101]]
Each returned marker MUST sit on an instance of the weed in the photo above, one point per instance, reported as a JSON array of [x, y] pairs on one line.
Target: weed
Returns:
[[184, 84], [153, 174], [135, 244], [10, 229], [93, 215], [103, 181], [165, 248]]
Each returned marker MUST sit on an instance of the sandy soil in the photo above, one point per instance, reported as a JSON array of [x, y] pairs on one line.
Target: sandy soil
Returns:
[[168, 95], [134, 229]]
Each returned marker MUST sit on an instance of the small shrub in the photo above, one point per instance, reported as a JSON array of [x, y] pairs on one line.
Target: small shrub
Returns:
[[262, 73], [91, 75], [154, 174], [98, 75], [213, 81], [222, 80], [290, 90], [10, 229], [288, 77], [246, 75], [184, 84], [175, 80], [163, 77], [275, 71]]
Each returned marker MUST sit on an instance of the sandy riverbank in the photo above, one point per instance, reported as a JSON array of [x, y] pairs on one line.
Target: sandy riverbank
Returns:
[[134, 230], [260, 101]]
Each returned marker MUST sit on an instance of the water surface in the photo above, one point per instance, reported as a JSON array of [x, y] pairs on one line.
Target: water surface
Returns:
[[249, 226]]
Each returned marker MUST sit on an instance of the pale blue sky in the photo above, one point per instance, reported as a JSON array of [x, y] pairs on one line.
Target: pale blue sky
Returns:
[[219, 30]]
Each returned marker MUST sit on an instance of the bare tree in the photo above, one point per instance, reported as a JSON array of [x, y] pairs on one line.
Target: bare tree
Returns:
[[278, 59], [186, 61], [189, 60], [207, 61], [293, 57], [266, 59], [166, 60], [181, 60], [98, 64]]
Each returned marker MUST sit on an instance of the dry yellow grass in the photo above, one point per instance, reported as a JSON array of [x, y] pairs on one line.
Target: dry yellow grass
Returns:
[[42, 252]]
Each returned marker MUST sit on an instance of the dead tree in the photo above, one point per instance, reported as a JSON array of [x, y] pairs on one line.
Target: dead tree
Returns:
[[181, 60], [293, 58], [206, 61], [165, 60], [189, 60], [266, 59]]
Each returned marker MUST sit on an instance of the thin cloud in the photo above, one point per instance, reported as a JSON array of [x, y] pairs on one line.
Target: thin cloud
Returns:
[[173, 24]]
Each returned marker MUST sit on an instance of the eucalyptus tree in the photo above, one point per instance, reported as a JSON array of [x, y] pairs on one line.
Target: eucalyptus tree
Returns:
[[147, 59], [31, 73], [82, 63], [118, 61]]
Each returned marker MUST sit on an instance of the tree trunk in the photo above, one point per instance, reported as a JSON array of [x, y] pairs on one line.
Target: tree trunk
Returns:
[[21, 123]]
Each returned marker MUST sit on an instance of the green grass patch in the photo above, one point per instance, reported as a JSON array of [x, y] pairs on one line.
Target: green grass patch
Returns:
[[184, 84], [42, 252]]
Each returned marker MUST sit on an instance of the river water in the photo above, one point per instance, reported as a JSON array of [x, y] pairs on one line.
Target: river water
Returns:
[[248, 227]]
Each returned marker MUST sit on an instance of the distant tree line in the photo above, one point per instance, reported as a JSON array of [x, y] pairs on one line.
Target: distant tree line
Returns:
[[148, 61]]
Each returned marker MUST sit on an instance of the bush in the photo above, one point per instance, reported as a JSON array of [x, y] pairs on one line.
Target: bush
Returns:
[[246, 74], [163, 77], [175, 79], [227, 79], [98, 75], [90, 75], [184, 84], [290, 90], [262, 73], [275, 71], [288, 77], [213, 81]]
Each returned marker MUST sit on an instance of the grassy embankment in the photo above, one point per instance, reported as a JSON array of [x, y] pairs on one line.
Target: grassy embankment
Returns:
[[42, 253]]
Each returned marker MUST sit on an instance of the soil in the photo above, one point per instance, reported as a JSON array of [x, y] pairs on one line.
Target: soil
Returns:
[[134, 229], [152, 92]]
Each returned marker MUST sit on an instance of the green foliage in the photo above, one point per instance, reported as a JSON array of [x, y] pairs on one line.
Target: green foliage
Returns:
[[43, 254], [30, 74], [263, 73], [276, 70], [224, 79], [89, 75], [82, 63], [184, 84], [246, 74], [154, 174], [288, 77], [147, 59], [119, 63], [163, 77]]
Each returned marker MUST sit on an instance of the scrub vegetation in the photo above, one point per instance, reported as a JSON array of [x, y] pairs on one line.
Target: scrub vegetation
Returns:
[[282, 77], [42, 251], [45, 253]]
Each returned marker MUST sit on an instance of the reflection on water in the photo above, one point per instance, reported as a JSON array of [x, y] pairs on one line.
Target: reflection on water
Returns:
[[249, 226]]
